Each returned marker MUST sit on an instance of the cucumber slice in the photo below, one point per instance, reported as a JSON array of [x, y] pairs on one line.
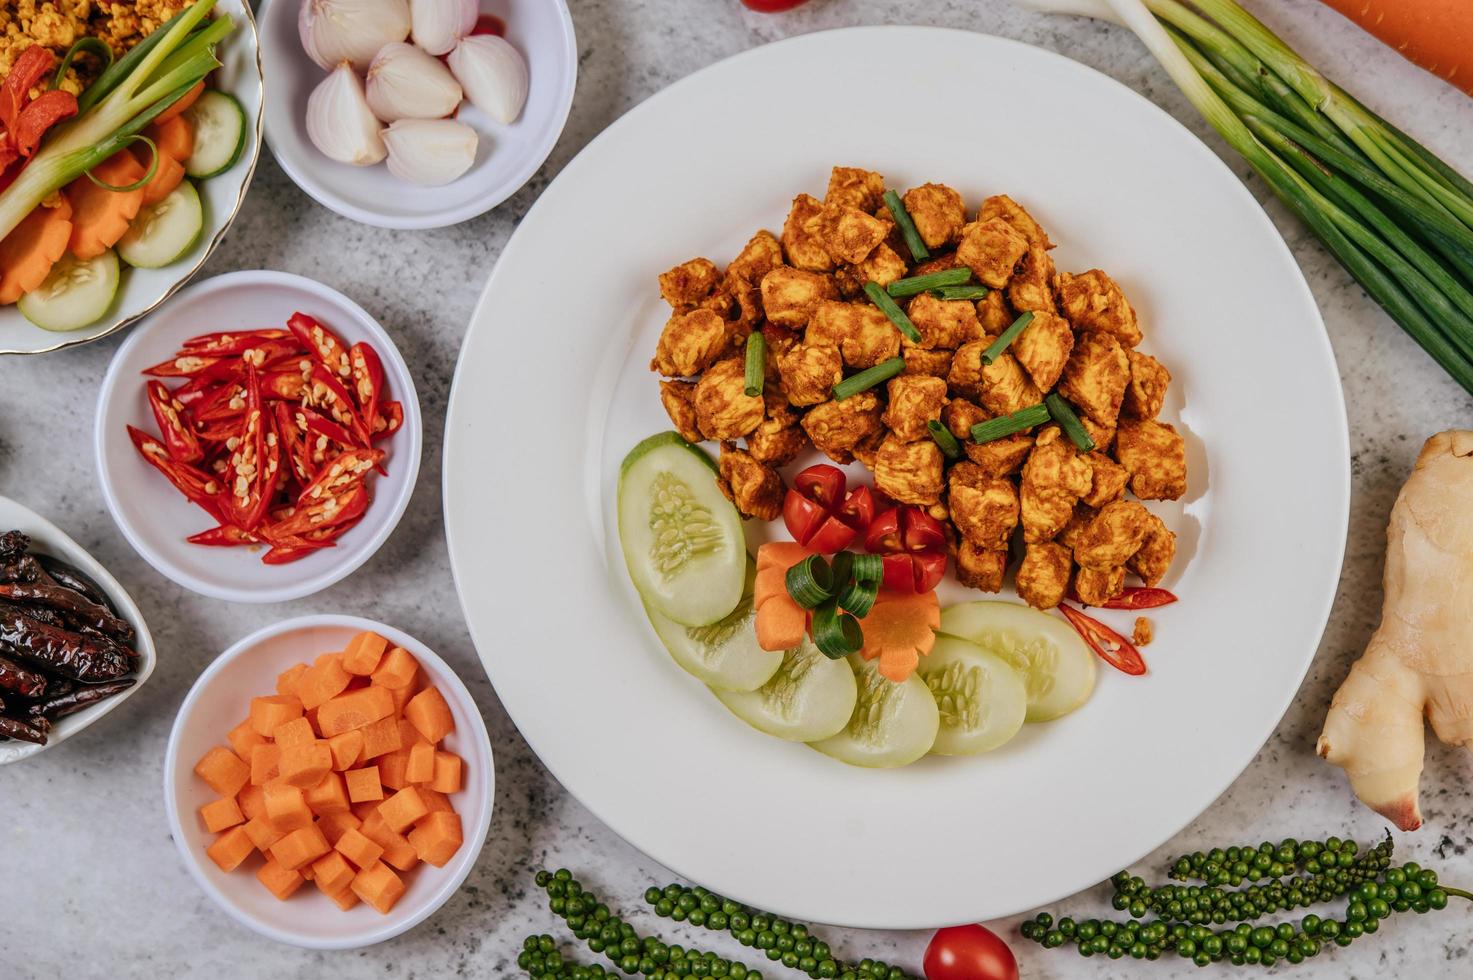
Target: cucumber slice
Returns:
[[1058, 669], [892, 724], [682, 539], [809, 698], [163, 232], [982, 699], [724, 655], [75, 294], [219, 134]]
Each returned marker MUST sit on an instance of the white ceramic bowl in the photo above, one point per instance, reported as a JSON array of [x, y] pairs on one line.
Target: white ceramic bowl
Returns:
[[49, 539], [509, 155], [142, 290], [156, 518], [221, 697]]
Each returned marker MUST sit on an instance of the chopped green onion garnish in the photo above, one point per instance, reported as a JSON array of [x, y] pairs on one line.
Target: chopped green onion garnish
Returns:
[[1006, 425], [869, 568], [959, 292], [756, 363], [810, 582], [841, 569], [868, 378], [887, 306], [836, 634], [944, 439], [859, 597], [931, 280], [918, 250], [998, 346], [1061, 413]]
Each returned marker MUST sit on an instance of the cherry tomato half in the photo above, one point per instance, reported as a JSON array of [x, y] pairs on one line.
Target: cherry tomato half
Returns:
[[969, 953], [820, 515], [914, 547]]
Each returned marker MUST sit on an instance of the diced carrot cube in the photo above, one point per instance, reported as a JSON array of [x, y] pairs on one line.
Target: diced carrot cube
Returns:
[[271, 712], [305, 765], [306, 872], [363, 653], [364, 785], [393, 769], [334, 825], [447, 773], [279, 881], [265, 763], [285, 807], [421, 768], [359, 849], [324, 680], [252, 801], [430, 715], [397, 849], [301, 846], [263, 833], [435, 802], [368, 808], [401, 810], [354, 709], [397, 669], [231, 848], [243, 738], [332, 873], [436, 838], [378, 886], [221, 814], [286, 681], [346, 748], [328, 796], [380, 737], [344, 899], [295, 732], [402, 695], [223, 771]]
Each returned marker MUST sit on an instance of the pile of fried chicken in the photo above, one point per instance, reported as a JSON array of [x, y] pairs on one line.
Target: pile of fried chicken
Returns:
[[805, 292]]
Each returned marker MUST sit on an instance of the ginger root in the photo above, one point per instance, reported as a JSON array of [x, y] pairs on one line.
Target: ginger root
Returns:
[[1420, 660]]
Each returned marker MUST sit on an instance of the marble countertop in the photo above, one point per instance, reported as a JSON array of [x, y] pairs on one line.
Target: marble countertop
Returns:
[[90, 883]]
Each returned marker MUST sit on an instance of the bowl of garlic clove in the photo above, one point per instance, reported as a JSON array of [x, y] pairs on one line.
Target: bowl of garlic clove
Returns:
[[415, 113]]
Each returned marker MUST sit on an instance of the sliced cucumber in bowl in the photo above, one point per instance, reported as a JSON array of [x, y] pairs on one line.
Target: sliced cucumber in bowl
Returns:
[[892, 724], [1058, 670], [982, 699], [75, 294], [219, 134], [724, 655], [162, 233], [809, 698]]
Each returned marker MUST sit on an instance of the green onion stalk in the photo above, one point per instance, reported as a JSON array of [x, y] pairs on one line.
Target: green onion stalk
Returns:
[[115, 108], [1395, 215]]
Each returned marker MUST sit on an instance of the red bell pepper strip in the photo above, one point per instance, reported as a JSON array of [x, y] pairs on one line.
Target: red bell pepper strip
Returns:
[[325, 513], [1140, 597], [349, 469], [368, 381], [322, 343], [390, 421], [181, 365], [25, 74], [224, 536], [230, 341], [913, 544], [1112, 648], [820, 515], [255, 464], [327, 393], [181, 443], [196, 485], [44, 111]]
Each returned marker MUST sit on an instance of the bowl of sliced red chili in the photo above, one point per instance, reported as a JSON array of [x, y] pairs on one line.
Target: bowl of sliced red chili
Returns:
[[258, 438]]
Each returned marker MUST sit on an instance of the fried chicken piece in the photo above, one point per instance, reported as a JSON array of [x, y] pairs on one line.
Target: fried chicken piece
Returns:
[[809, 373], [914, 401], [1093, 301], [678, 399], [1005, 387], [1000, 457], [1078, 521], [909, 472], [1143, 632], [837, 427], [724, 410], [1156, 456], [1054, 478], [994, 313], [991, 249], [689, 282], [855, 187], [849, 234], [1032, 285], [1103, 435], [884, 265], [983, 507], [1097, 586], [863, 334], [690, 343], [1154, 556], [755, 488], [918, 360], [978, 568], [777, 440], [1009, 210], [960, 415], [1043, 348], [1116, 533], [1109, 479], [789, 296], [1043, 576], [941, 322], [1147, 389], [758, 257], [801, 239], [937, 263], [868, 450], [1095, 377], [938, 213]]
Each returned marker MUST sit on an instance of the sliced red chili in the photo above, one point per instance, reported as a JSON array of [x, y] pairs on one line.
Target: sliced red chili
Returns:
[[1140, 597], [255, 464], [914, 545], [347, 470], [224, 402], [180, 442], [224, 536], [327, 512], [230, 341], [368, 380], [181, 365], [196, 485], [1112, 648], [294, 447], [326, 393], [390, 420], [286, 385], [322, 343]]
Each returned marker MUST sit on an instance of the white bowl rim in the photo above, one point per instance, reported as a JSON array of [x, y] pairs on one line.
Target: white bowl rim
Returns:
[[412, 432], [304, 177], [475, 838]]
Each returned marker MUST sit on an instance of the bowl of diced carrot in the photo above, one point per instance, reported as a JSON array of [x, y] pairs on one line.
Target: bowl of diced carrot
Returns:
[[329, 782]]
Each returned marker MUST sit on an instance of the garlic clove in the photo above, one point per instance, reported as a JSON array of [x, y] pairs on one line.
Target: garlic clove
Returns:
[[438, 24], [340, 123], [406, 83], [430, 151], [493, 74], [334, 31]]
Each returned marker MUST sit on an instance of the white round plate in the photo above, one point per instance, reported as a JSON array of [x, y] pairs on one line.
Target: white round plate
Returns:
[[142, 290], [48, 539], [222, 697], [532, 456], [508, 156], [156, 518]]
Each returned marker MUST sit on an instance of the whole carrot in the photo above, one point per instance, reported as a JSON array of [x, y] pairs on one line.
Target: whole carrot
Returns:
[[1435, 34]]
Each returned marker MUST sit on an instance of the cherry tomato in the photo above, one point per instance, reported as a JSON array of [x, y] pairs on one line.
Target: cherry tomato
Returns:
[[1112, 648], [773, 6], [969, 953], [914, 547], [820, 515]]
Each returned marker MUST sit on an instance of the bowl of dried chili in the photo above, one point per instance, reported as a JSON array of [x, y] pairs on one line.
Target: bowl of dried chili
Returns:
[[268, 457]]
